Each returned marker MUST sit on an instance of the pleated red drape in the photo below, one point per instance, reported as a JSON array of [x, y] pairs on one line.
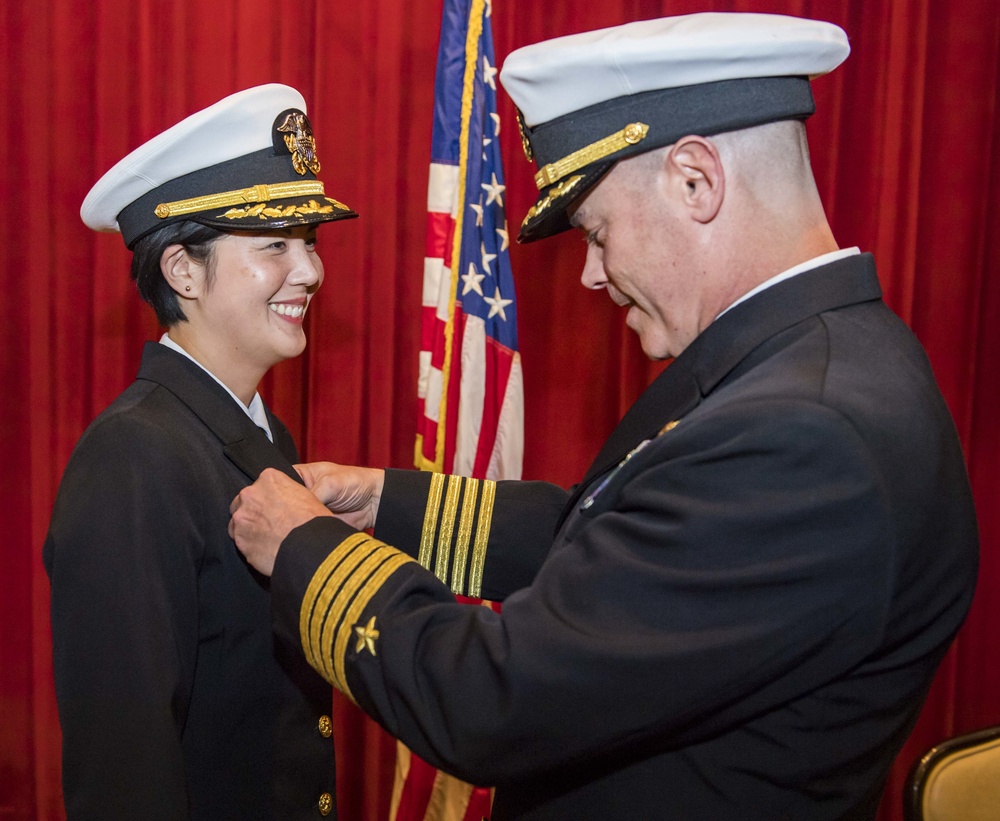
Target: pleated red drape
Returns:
[[907, 153]]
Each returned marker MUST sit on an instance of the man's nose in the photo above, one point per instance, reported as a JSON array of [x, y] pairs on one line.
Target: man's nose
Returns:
[[593, 275]]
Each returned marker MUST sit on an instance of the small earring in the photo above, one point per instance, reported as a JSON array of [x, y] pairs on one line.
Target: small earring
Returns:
[[187, 287]]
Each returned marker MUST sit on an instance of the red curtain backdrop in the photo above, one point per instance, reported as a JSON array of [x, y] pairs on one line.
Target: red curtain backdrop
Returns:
[[907, 154]]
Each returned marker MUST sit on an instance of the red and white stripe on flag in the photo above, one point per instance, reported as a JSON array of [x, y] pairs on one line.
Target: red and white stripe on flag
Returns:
[[470, 418]]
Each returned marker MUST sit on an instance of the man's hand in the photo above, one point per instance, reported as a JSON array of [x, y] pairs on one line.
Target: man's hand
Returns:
[[264, 513], [351, 493]]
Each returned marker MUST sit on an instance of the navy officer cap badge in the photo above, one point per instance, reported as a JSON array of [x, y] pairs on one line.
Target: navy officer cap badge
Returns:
[[587, 100], [249, 162]]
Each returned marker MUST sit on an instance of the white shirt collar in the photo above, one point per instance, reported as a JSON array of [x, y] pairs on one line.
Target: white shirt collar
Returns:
[[802, 267], [256, 408]]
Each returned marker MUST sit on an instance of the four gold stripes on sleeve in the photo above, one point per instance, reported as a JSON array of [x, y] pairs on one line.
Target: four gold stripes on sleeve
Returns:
[[335, 598], [457, 523]]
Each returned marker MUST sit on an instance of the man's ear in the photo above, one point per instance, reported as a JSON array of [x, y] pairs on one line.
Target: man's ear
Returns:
[[182, 273], [699, 180]]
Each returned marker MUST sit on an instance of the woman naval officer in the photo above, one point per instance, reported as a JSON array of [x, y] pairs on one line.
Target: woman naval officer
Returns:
[[176, 701]]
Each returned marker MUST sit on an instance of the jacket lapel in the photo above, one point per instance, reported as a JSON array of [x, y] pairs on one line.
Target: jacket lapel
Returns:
[[724, 344], [255, 452], [244, 444]]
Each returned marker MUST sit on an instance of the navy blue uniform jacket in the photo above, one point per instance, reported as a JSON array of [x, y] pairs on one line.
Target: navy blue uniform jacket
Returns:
[[175, 699], [739, 620]]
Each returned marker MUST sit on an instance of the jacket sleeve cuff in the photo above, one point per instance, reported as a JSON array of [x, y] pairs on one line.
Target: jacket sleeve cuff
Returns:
[[325, 574]]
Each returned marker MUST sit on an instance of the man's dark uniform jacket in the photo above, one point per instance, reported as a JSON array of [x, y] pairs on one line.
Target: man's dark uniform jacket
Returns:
[[738, 619], [175, 699]]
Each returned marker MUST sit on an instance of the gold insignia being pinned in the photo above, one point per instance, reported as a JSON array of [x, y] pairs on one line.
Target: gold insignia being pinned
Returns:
[[366, 636], [300, 143]]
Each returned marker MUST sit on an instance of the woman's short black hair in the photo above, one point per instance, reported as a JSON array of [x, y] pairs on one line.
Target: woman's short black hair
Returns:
[[197, 240]]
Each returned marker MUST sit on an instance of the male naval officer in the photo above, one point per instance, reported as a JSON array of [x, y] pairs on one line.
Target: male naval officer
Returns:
[[738, 610]]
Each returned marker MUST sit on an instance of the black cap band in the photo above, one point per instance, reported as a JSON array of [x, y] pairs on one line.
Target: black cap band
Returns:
[[263, 167], [670, 113]]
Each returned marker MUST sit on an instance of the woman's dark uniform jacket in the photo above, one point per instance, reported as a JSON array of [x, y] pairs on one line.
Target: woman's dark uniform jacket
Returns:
[[175, 699], [741, 622]]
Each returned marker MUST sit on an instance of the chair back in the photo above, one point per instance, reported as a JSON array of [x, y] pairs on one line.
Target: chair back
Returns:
[[958, 780]]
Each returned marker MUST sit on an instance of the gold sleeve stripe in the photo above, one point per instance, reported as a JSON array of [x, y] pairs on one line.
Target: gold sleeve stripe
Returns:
[[383, 566], [363, 564], [452, 530], [315, 588], [332, 661], [315, 626], [464, 536], [430, 520], [455, 484], [482, 538], [308, 601]]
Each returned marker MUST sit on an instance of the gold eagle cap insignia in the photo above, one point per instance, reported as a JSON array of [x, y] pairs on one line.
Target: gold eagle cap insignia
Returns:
[[300, 142]]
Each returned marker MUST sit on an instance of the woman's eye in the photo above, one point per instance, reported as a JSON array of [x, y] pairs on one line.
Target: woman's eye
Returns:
[[278, 245]]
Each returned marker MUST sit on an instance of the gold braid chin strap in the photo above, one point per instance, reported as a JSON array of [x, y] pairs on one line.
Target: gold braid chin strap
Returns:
[[256, 193], [631, 134]]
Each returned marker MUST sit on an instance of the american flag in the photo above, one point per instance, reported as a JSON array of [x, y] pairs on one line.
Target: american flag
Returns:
[[470, 395]]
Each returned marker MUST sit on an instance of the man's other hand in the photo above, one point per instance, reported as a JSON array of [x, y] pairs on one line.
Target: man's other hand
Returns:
[[350, 493]]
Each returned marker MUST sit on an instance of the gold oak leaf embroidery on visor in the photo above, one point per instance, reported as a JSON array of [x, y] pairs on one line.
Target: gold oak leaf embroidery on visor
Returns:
[[559, 191], [263, 211]]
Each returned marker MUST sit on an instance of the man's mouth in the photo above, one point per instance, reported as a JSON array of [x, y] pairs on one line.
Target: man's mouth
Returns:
[[617, 297]]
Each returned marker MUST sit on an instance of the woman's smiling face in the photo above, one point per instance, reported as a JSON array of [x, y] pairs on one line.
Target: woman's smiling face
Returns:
[[260, 287], [247, 302]]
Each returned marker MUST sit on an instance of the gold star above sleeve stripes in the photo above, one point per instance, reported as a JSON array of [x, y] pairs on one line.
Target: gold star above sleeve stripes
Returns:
[[367, 635], [335, 598], [456, 531]]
